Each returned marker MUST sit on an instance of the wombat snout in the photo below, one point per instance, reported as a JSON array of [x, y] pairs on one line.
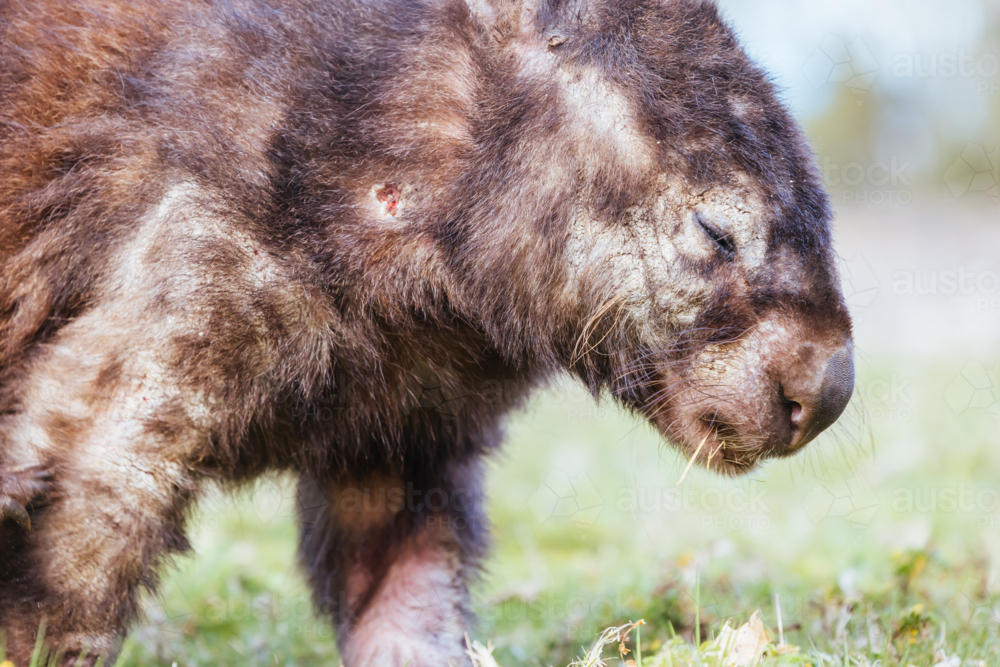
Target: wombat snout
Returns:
[[819, 397]]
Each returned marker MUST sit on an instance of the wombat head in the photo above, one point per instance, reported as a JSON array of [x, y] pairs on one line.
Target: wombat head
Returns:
[[679, 235]]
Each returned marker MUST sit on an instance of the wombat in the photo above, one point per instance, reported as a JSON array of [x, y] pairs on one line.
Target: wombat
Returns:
[[344, 238]]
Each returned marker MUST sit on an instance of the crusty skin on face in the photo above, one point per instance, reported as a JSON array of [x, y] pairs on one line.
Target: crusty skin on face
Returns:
[[344, 239]]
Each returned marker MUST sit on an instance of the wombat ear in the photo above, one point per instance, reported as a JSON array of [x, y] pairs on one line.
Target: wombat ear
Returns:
[[554, 38]]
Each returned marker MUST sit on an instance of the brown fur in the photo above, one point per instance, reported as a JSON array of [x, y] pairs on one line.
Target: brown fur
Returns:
[[345, 239]]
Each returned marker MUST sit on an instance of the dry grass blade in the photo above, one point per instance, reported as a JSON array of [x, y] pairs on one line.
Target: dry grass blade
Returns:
[[582, 347], [693, 458], [610, 636], [481, 656]]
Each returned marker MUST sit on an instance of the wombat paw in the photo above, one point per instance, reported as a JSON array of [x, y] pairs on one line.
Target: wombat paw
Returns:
[[18, 488]]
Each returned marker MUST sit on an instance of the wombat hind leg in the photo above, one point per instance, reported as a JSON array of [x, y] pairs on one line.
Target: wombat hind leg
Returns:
[[19, 488]]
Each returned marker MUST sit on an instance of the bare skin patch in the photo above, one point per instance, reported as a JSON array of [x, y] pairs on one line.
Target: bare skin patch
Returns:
[[604, 120], [370, 506], [648, 255], [389, 198]]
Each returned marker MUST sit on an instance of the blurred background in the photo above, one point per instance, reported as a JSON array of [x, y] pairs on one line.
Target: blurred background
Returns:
[[883, 537]]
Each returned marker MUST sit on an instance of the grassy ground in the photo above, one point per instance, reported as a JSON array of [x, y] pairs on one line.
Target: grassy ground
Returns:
[[887, 558], [882, 541]]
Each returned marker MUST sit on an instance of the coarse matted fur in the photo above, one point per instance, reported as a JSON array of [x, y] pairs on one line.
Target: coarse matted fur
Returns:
[[345, 238]]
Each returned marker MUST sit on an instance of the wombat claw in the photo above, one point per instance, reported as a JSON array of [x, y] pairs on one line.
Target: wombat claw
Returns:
[[11, 509], [19, 487]]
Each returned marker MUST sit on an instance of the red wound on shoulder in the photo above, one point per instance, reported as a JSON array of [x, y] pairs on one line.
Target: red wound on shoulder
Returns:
[[389, 195]]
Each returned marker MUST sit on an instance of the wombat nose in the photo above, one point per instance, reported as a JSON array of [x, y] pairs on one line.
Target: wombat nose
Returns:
[[818, 399]]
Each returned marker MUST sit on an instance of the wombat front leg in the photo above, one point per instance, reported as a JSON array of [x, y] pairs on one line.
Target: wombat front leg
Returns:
[[19, 487], [124, 403], [390, 560], [116, 434]]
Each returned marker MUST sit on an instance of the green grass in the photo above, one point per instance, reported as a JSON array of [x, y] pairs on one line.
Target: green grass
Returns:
[[887, 554]]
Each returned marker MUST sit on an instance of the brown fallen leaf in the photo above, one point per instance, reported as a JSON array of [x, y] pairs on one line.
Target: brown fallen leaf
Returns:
[[743, 647]]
